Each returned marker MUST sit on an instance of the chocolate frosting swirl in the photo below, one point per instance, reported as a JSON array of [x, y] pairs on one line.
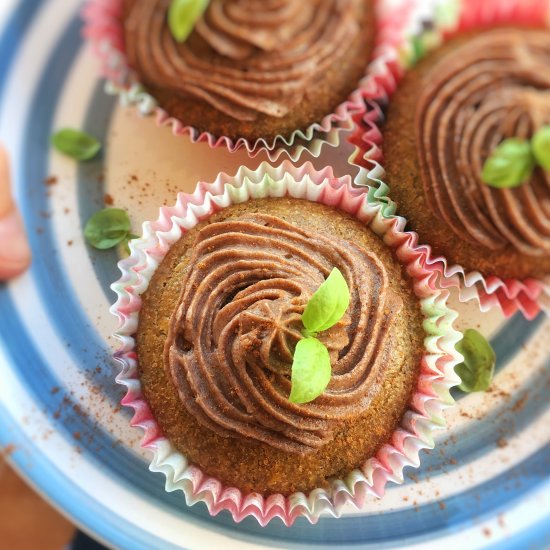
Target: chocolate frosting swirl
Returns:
[[233, 333], [244, 57], [494, 86]]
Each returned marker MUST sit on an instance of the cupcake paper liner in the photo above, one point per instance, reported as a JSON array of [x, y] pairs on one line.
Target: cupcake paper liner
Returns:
[[430, 398], [104, 30], [454, 17]]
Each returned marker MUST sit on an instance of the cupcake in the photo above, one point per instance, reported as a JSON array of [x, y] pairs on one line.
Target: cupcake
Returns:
[[254, 68], [217, 331], [279, 76], [448, 117], [225, 280]]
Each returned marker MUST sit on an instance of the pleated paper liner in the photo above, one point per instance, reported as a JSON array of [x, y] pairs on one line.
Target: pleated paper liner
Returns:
[[430, 398], [103, 28], [529, 296]]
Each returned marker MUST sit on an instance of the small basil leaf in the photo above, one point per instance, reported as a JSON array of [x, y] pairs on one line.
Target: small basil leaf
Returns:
[[310, 371], [328, 304], [106, 228], [510, 164], [476, 372], [182, 16], [418, 49], [541, 147], [76, 144]]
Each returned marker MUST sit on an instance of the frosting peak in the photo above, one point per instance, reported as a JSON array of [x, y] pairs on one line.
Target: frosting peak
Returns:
[[494, 86], [233, 334]]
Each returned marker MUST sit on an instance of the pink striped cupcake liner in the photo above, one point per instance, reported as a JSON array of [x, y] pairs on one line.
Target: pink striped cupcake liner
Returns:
[[104, 30], [430, 398], [529, 296]]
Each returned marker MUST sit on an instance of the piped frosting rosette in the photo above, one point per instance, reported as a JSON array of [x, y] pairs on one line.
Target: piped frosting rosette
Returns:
[[497, 102], [244, 349], [429, 399], [243, 94]]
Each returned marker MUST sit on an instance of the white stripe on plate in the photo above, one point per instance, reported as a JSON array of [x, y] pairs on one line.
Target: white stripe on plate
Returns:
[[6, 8]]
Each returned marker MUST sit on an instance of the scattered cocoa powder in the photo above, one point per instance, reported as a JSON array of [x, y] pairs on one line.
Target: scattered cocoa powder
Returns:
[[520, 403]]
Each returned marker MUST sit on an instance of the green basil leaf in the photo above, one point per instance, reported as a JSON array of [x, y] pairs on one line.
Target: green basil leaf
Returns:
[[106, 228], [182, 16], [328, 304], [541, 147], [418, 49], [476, 372], [76, 144], [510, 165], [310, 371]]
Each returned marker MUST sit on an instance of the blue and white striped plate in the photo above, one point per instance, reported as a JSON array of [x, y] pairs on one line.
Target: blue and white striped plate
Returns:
[[487, 483]]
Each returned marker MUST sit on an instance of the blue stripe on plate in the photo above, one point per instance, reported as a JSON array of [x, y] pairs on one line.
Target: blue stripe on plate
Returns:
[[536, 537], [13, 34], [91, 189], [59, 297]]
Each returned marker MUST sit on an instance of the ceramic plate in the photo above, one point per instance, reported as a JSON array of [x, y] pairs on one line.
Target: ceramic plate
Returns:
[[487, 483]]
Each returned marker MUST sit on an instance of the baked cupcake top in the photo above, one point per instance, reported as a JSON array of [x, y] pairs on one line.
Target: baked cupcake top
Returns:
[[244, 57], [493, 87], [231, 340]]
